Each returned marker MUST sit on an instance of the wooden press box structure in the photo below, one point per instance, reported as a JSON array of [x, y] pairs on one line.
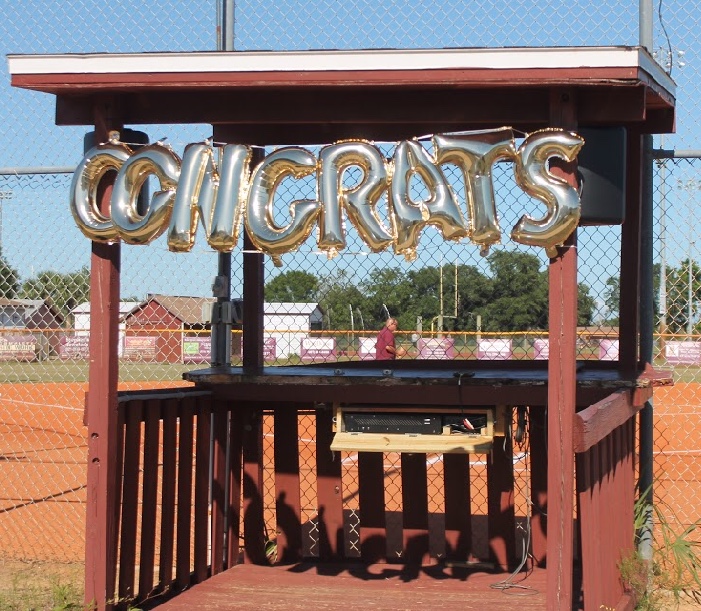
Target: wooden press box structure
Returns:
[[192, 518]]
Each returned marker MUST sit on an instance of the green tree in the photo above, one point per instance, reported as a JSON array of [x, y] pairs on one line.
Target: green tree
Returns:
[[387, 287], [63, 291], [337, 297], [519, 299], [678, 306], [612, 293], [9, 279], [586, 304], [293, 286]]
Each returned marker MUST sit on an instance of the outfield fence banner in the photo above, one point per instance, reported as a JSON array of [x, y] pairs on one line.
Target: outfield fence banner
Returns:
[[318, 348], [140, 347], [437, 348], [269, 349], [608, 350], [75, 347], [683, 353], [541, 349], [367, 348], [494, 349], [197, 349], [18, 348]]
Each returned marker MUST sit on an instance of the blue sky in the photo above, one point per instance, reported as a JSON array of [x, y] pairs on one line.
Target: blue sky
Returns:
[[28, 136]]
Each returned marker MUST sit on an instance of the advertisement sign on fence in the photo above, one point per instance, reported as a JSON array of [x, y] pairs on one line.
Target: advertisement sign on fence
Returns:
[[318, 349], [683, 353], [541, 348], [74, 347], [437, 348], [494, 350], [269, 349], [366, 348], [18, 348], [608, 350], [140, 347], [197, 349]]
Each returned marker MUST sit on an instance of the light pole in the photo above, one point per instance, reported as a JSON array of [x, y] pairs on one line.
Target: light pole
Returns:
[[690, 185], [668, 59]]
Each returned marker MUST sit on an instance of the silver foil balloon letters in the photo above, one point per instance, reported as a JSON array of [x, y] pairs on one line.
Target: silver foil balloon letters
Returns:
[[133, 226], [409, 216], [358, 202], [262, 228], [560, 198], [214, 186], [475, 155]]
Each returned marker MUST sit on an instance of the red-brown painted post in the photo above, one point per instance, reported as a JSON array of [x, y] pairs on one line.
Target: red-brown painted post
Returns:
[[329, 491], [562, 387], [102, 509], [629, 306], [288, 504], [253, 298]]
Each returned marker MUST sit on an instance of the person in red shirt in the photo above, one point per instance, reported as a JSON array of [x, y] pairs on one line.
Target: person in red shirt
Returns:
[[386, 348]]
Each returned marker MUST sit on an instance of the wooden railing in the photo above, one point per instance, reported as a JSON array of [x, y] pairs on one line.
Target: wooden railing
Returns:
[[164, 488], [195, 495], [605, 447], [197, 488]]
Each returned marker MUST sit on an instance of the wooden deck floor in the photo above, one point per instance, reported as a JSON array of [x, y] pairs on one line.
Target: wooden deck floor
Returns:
[[315, 587]]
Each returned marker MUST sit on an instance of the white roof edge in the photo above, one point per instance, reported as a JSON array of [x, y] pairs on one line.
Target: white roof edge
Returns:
[[374, 59]]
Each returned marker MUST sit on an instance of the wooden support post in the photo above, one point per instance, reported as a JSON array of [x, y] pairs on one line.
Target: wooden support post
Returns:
[[562, 385], [253, 486], [288, 503], [371, 491], [629, 307], [102, 509], [458, 511], [537, 432], [500, 503], [253, 298], [329, 492]]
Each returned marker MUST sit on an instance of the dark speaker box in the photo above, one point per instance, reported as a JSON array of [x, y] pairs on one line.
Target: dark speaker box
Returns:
[[602, 175]]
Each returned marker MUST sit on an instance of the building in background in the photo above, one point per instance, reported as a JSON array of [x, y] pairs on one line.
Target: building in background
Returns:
[[30, 329], [81, 325]]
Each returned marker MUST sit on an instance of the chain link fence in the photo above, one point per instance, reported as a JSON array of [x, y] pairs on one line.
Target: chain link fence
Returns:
[[451, 301]]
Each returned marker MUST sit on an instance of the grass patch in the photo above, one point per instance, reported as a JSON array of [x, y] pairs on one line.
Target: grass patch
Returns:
[[40, 586], [673, 577]]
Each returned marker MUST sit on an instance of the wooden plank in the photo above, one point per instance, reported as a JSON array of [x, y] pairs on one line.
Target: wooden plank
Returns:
[[149, 497], [288, 510], [371, 496], [594, 423], [329, 489], [385, 587], [103, 433], [589, 543], [432, 444], [202, 475], [184, 518], [629, 306], [219, 473], [253, 284], [539, 483], [458, 511], [605, 521], [234, 489], [167, 541], [415, 543], [500, 503], [130, 500], [562, 327], [253, 487]]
